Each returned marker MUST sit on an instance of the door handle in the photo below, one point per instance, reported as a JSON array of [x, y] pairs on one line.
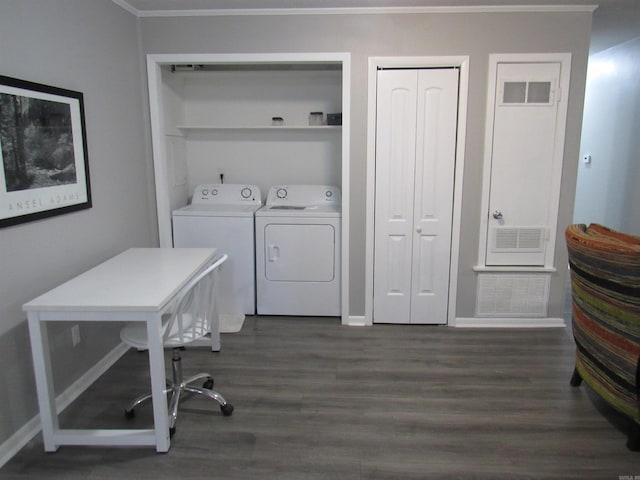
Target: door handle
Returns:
[[273, 253], [419, 229], [497, 214]]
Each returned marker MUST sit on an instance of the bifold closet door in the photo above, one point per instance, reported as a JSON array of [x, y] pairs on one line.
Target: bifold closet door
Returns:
[[416, 124]]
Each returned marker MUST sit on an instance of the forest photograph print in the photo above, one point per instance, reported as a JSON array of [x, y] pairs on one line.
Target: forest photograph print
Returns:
[[43, 149]]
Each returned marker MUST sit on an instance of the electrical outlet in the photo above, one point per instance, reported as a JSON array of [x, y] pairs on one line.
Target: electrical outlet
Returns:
[[75, 335]]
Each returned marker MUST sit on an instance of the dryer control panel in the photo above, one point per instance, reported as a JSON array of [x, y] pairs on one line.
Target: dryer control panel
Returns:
[[303, 196], [226, 194]]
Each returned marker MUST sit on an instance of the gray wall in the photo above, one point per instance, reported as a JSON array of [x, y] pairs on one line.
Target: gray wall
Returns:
[[607, 191], [89, 46], [473, 34], [92, 46]]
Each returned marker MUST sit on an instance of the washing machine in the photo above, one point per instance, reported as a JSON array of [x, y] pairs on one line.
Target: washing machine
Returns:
[[222, 216], [298, 250]]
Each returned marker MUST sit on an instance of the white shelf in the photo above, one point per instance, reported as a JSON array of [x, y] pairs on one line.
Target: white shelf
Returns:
[[204, 128]]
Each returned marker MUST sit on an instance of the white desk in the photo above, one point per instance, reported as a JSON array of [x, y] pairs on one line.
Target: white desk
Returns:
[[137, 285]]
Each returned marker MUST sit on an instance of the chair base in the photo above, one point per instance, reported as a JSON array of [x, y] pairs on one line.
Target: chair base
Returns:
[[177, 387], [633, 437], [576, 378]]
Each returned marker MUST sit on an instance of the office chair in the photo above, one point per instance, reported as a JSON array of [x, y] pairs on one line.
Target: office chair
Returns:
[[190, 320]]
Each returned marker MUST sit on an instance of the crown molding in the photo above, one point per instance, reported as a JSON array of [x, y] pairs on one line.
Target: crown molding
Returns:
[[354, 10], [124, 4]]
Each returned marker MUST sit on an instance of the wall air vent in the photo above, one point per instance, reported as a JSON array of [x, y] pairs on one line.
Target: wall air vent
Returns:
[[527, 93], [512, 295], [517, 239]]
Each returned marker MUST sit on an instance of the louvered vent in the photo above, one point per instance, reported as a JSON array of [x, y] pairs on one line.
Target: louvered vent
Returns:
[[512, 295], [527, 93], [517, 239]]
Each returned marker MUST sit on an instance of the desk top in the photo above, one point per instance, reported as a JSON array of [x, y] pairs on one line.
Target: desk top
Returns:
[[139, 279]]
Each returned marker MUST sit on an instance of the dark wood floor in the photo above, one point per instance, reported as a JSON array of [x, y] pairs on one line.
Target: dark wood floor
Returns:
[[316, 400]]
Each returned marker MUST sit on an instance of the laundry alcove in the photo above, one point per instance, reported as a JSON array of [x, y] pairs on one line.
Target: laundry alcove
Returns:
[[211, 119]]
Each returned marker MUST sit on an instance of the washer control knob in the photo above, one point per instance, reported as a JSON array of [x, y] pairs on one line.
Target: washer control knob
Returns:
[[245, 192], [214, 191], [281, 193], [328, 194], [205, 192]]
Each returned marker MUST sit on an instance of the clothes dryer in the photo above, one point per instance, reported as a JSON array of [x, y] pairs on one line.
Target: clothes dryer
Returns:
[[222, 216], [298, 251]]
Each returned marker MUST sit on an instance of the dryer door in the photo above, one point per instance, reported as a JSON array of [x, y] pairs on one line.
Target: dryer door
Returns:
[[299, 253]]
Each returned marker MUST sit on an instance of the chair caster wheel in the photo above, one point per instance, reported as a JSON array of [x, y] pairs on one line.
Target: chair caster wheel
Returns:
[[208, 384], [129, 413], [227, 409]]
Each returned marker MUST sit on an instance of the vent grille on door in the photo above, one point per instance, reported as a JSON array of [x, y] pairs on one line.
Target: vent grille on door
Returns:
[[517, 239], [527, 93], [512, 295]]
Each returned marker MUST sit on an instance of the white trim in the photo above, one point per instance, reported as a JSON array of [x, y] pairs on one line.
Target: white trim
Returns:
[[249, 58], [554, 205], [226, 12], [356, 321], [14, 444], [475, 322], [127, 6], [371, 190], [159, 156], [346, 183], [461, 62], [155, 61], [185, 129], [456, 226], [515, 269]]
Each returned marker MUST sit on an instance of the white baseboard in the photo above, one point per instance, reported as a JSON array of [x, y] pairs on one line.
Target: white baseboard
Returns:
[[356, 321], [482, 322], [13, 444]]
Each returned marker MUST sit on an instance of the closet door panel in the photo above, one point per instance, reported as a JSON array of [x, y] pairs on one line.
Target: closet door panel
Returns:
[[395, 172], [434, 182], [416, 128]]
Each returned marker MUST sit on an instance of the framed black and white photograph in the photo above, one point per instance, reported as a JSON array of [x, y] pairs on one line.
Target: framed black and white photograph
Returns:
[[43, 147]]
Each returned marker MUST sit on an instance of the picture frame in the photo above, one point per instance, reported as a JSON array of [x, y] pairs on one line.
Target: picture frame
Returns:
[[44, 165]]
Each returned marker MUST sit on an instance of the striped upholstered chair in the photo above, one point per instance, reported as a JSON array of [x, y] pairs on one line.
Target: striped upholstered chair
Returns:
[[605, 289]]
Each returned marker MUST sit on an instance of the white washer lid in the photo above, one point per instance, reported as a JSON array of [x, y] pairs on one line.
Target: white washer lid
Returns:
[[200, 210]]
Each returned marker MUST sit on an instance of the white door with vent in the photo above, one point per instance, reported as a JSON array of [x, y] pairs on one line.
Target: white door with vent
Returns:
[[524, 145], [416, 126]]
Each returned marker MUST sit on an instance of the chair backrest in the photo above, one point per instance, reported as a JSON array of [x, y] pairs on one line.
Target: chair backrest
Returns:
[[194, 308], [605, 290]]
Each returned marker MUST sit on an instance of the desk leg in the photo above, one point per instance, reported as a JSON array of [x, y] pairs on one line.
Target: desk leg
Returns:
[[158, 383], [215, 322], [44, 380], [215, 334]]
